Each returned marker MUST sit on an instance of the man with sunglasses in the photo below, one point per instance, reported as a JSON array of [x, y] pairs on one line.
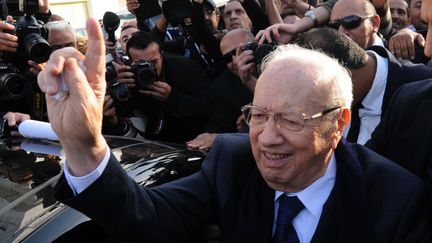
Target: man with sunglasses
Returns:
[[229, 92], [359, 20], [297, 178]]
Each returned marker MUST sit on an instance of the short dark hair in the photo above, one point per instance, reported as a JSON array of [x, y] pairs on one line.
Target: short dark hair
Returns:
[[334, 44], [140, 40]]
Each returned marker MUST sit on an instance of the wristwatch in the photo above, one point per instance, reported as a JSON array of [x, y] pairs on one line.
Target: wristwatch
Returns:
[[311, 14]]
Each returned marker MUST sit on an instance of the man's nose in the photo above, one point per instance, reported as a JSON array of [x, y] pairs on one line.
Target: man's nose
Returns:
[[270, 134]]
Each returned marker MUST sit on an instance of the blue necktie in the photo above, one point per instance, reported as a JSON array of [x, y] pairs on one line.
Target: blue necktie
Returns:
[[289, 207]]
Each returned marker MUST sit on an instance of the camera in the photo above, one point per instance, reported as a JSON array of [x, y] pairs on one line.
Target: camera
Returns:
[[176, 11], [31, 33], [145, 73], [13, 86], [119, 92], [260, 51]]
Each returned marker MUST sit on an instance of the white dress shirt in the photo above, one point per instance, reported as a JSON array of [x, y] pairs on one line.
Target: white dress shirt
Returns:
[[370, 114], [79, 184], [313, 198], [377, 41]]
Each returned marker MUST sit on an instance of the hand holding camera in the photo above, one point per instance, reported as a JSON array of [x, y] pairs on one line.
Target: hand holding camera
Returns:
[[132, 5], [8, 42], [158, 90], [125, 75], [36, 68], [246, 66], [10, 123], [109, 111]]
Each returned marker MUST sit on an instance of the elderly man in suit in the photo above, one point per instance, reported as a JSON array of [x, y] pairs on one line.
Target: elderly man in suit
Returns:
[[297, 180]]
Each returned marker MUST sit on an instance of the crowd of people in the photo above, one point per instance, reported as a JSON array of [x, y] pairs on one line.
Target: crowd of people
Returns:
[[327, 105]]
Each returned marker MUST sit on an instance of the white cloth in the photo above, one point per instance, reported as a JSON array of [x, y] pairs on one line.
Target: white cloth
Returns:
[[377, 41], [79, 184], [370, 114], [313, 198]]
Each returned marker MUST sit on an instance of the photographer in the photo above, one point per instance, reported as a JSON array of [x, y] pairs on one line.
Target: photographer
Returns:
[[9, 8], [61, 34], [32, 102], [175, 98]]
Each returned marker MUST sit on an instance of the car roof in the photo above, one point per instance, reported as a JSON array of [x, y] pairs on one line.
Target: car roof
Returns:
[[29, 170]]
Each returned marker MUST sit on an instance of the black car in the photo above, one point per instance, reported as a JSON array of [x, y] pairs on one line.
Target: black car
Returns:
[[29, 170]]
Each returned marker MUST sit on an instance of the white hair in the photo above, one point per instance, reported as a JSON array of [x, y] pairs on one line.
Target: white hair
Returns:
[[327, 69], [60, 26]]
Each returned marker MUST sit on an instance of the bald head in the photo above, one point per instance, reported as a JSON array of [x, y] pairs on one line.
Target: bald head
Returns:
[[361, 7], [364, 30], [291, 71], [233, 39]]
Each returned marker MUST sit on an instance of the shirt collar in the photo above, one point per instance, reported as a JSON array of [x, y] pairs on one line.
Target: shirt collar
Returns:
[[377, 41], [315, 195]]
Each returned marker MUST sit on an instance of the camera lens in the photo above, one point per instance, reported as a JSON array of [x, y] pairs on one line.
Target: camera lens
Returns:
[[37, 48], [120, 92], [145, 77], [13, 86]]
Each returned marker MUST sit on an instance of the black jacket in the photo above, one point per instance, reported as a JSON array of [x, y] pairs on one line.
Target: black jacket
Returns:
[[404, 135], [373, 200]]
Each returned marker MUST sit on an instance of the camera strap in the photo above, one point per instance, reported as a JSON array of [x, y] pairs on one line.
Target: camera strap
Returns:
[[38, 105]]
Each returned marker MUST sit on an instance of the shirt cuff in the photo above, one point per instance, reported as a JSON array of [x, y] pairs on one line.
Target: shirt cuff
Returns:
[[79, 184]]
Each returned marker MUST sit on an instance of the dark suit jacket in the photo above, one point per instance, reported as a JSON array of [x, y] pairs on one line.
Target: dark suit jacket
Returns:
[[400, 72], [404, 135], [373, 200], [228, 94]]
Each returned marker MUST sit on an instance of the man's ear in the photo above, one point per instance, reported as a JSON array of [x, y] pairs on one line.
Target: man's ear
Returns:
[[341, 123], [376, 21]]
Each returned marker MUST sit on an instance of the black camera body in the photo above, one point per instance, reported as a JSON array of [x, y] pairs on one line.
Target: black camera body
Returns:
[[145, 73], [177, 10], [119, 92], [260, 51], [13, 86], [31, 39], [31, 34]]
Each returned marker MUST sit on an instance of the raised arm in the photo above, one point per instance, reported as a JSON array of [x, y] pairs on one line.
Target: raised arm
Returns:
[[77, 119]]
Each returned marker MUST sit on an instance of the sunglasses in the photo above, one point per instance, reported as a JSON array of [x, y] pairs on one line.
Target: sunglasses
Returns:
[[228, 57], [348, 22]]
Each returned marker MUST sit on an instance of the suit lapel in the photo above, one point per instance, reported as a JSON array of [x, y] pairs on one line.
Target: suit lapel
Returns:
[[345, 214]]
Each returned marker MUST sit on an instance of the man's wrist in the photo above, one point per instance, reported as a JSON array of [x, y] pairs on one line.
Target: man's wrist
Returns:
[[311, 15], [84, 159]]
